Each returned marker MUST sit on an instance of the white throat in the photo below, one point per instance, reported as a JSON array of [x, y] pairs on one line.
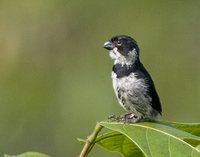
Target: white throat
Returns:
[[120, 59]]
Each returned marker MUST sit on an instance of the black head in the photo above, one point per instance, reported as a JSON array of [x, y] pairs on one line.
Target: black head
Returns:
[[123, 43], [122, 48]]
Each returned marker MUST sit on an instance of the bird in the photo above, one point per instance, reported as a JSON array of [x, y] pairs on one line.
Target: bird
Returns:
[[132, 84]]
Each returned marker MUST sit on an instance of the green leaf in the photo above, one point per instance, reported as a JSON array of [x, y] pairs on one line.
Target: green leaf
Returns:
[[28, 154], [117, 142], [198, 147], [153, 139], [193, 128]]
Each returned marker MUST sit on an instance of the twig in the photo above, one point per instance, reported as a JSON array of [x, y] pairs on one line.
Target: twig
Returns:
[[90, 141]]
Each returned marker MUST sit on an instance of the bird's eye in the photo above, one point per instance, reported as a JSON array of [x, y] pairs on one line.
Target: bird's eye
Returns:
[[119, 42]]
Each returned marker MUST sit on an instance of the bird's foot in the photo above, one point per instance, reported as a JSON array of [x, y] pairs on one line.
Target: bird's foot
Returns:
[[113, 118], [130, 118], [127, 117]]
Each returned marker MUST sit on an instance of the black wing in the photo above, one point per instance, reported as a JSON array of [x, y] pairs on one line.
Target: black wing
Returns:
[[142, 73]]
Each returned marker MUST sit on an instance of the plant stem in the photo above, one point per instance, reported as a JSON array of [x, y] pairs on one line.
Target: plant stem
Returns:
[[90, 141]]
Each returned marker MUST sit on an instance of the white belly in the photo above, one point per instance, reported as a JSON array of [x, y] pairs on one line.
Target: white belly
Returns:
[[133, 93]]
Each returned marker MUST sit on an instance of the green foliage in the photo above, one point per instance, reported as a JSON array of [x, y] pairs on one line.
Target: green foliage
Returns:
[[193, 128], [117, 142], [151, 139], [145, 139], [28, 154]]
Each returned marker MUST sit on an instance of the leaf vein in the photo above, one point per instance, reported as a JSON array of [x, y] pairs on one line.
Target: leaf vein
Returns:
[[133, 140], [165, 133], [103, 138], [147, 130], [169, 146]]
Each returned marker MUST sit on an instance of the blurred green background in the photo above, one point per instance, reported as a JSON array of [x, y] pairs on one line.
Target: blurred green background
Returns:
[[55, 76]]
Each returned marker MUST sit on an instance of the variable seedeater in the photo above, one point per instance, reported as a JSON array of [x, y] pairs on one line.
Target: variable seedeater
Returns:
[[132, 83]]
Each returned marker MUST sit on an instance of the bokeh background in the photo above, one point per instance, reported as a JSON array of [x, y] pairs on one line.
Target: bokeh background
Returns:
[[55, 76]]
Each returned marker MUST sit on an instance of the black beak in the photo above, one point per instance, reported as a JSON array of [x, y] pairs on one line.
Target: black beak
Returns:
[[108, 45]]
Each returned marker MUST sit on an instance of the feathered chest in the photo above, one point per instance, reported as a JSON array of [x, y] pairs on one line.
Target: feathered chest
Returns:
[[129, 83]]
